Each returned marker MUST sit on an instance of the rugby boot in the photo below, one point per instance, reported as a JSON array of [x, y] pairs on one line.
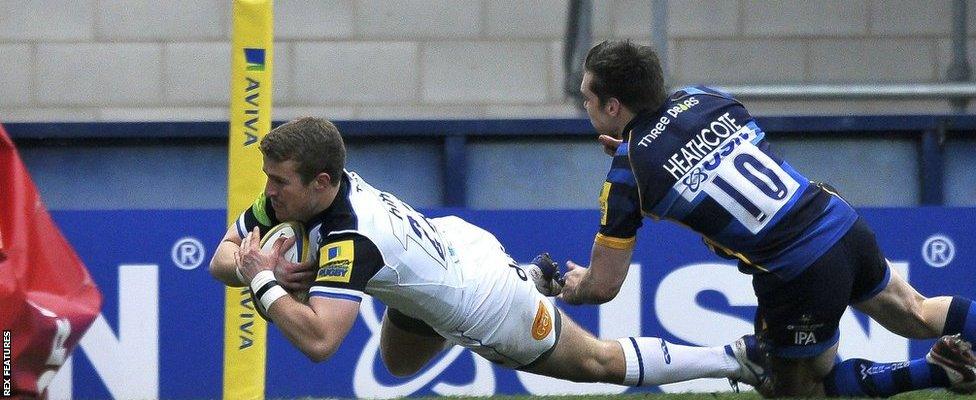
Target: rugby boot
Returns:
[[956, 357], [753, 360]]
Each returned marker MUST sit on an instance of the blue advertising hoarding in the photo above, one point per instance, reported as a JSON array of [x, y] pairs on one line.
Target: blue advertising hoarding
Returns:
[[160, 330]]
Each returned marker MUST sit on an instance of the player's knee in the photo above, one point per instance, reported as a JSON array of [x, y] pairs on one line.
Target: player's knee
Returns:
[[802, 387], [403, 363], [400, 365], [402, 371], [796, 380]]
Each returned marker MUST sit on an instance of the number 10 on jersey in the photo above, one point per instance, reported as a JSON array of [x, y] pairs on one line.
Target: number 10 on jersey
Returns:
[[751, 186]]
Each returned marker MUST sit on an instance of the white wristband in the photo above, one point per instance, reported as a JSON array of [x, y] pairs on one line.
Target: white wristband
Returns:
[[261, 279], [272, 294], [266, 289]]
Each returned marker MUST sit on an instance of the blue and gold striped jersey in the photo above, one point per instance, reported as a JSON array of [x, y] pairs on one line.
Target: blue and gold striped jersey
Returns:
[[702, 161], [619, 205]]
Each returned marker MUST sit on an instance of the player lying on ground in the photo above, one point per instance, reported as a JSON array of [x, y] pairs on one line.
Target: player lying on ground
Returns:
[[445, 281], [697, 157]]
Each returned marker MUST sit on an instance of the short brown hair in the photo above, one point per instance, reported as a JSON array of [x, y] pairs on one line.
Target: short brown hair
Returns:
[[629, 72], [314, 143]]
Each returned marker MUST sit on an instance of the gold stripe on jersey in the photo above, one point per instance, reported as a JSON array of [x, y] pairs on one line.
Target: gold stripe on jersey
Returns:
[[615, 243], [336, 262], [715, 246], [604, 205], [259, 208]]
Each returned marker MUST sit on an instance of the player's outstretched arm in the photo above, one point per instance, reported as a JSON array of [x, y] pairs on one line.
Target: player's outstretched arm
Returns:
[[600, 282], [223, 266]]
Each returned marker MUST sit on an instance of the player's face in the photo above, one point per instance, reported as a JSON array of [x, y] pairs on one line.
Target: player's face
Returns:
[[602, 121], [291, 199]]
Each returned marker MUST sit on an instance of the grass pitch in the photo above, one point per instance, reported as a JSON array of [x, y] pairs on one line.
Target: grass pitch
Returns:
[[916, 395]]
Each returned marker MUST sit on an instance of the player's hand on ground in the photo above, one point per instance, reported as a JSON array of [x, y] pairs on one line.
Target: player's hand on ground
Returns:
[[250, 259], [571, 283], [610, 144]]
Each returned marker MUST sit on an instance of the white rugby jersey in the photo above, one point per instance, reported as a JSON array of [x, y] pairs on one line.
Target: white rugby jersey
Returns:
[[371, 242]]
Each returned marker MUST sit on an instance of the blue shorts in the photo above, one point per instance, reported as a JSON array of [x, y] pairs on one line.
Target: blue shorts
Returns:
[[799, 317]]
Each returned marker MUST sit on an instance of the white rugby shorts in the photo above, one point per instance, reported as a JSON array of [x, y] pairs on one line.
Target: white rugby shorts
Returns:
[[504, 318]]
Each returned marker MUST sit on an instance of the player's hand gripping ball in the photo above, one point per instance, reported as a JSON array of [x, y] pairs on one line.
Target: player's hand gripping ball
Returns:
[[297, 253]]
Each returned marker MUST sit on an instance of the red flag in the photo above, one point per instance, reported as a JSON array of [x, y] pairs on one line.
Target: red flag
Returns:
[[47, 298]]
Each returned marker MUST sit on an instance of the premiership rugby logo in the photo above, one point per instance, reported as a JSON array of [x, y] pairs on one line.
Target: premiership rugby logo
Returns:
[[543, 323], [337, 260]]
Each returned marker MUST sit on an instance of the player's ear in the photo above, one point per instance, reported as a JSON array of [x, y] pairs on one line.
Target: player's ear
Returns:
[[613, 106], [322, 180]]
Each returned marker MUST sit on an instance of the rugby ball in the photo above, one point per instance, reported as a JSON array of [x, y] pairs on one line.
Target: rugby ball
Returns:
[[296, 253]]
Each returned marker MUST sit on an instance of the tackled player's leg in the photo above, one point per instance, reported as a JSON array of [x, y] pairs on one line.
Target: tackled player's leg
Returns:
[[407, 344], [581, 357], [639, 361], [645, 361], [520, 328], [505, 319]]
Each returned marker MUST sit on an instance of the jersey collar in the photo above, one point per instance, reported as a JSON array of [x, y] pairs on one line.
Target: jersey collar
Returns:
[[637, 120]]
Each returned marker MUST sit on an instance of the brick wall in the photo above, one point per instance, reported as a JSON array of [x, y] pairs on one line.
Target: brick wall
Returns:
[[94, 60]]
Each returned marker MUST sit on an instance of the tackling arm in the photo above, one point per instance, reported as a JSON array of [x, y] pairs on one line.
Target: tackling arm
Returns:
[[600, 282]]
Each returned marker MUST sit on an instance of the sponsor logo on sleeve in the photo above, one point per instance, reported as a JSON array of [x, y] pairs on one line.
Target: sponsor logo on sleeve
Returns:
[[604, 196], [336, 262]]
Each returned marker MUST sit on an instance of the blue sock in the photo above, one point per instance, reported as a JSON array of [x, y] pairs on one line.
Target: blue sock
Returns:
[[857, 377], [961, 319]]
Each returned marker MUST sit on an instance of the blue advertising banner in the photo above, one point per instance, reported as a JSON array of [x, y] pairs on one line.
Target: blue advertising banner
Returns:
[[160, 330]]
